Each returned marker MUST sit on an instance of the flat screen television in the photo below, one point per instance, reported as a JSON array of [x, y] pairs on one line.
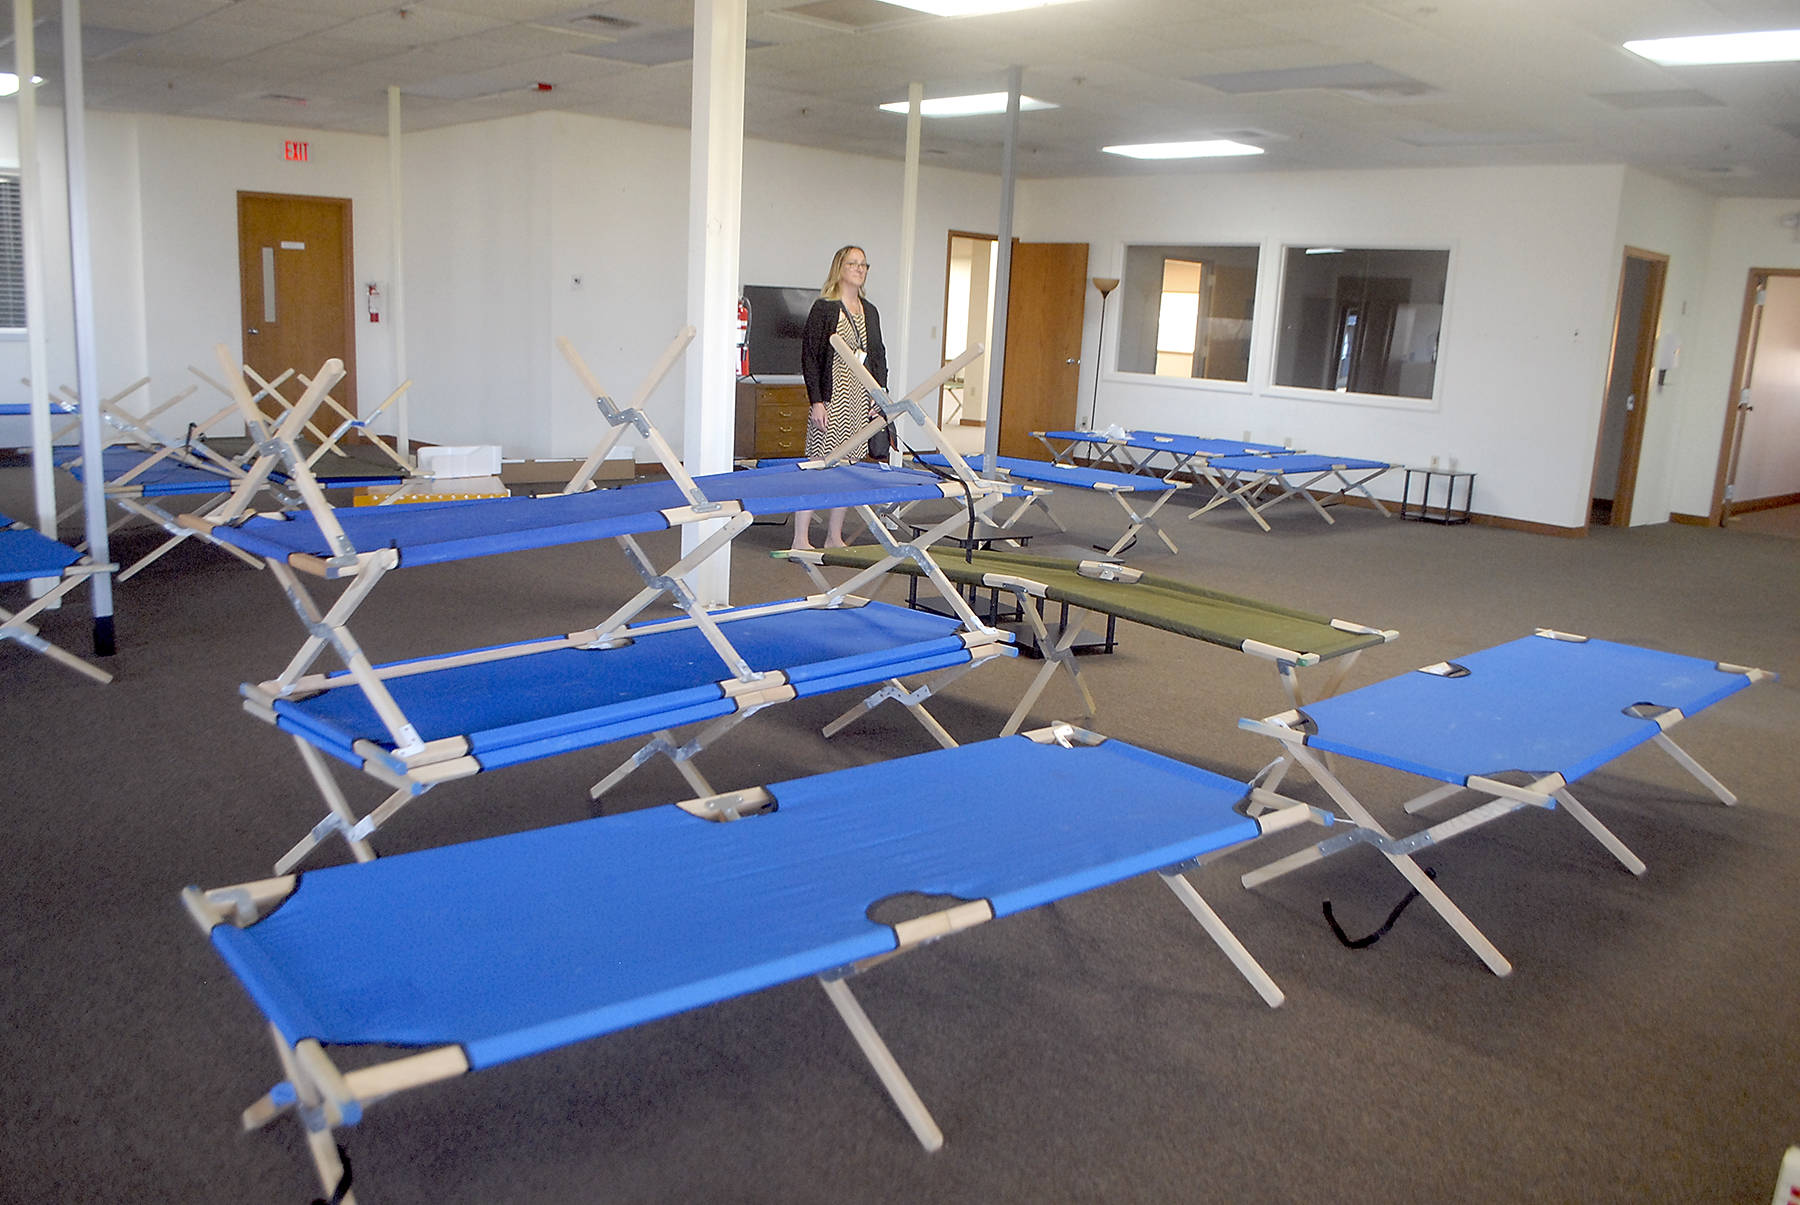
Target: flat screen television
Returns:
[[777, 321]]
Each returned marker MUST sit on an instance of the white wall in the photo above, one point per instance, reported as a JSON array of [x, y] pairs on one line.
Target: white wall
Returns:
[[1746, 233], [502, 216], [163, 222], [1522, 362]]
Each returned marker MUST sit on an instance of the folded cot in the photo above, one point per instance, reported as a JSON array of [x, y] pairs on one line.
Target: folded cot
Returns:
[[478, 954], [26, 554], [1122, 488], [1263, 480], [1289, 638], [1517, 723]]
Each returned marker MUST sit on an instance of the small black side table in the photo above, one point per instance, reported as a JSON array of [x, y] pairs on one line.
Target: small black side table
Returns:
[[1447, 511]]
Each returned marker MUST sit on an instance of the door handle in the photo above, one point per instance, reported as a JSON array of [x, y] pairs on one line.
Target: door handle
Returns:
[[1073, 360], [253, 331], [1631, 401]]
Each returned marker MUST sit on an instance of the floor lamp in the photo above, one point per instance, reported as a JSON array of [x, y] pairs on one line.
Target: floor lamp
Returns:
[[1106, 284]]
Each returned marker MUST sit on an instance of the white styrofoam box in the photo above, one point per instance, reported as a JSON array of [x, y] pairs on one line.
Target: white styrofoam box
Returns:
[[475, 460]]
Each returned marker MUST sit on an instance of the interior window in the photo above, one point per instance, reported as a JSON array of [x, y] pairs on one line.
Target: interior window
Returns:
[[1186, 311], [1361, 320]]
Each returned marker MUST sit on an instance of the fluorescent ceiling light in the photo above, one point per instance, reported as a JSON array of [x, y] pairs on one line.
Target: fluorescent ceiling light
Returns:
[[965, 106], [1209, 149], [973, 8], [1769, 46], [1324, 250], [9, 83]]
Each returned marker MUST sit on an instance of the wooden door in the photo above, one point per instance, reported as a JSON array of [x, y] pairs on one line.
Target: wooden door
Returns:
[[1638, 314], [1042, 368], [294, 274]]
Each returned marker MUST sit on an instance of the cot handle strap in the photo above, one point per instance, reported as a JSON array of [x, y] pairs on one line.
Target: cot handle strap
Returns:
[[1363, 943]]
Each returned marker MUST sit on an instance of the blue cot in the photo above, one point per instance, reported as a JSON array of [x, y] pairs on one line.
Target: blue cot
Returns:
[[1119, 486], [499, 949], [1517, 723], [1263, 480], [27, 554]]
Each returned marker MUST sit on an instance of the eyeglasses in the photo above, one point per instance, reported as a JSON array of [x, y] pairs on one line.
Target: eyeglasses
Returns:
[[856, 263]]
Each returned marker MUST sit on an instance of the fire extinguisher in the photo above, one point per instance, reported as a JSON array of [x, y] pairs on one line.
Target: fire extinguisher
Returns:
[[743, 337]]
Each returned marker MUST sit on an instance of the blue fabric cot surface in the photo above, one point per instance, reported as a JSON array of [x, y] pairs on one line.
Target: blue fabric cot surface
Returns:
[[521, 943], [1177, 445], [428, 533], [27, 553], [21, 409], [166, 478], [540, 704], [1055, 474], [1536, 704], [1291, 462]]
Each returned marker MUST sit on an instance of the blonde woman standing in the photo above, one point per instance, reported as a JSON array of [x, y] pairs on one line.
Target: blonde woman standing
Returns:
[[839, 405]]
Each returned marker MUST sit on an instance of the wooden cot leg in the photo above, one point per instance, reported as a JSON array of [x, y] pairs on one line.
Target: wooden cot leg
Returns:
[[1056, 656], [37, 644], [899, 1088], [1687, 762], [1226, 940], [311, 1109], [1415, 875], [1599, 831]]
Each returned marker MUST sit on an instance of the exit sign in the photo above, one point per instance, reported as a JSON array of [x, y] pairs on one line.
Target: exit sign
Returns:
[[294, 152]]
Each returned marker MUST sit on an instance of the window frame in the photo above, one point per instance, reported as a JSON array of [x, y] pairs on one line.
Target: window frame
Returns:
[[1110, 370], [1269, 386]]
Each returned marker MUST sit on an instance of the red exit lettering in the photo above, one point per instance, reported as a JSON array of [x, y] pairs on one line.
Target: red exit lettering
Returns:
[[294, 152]]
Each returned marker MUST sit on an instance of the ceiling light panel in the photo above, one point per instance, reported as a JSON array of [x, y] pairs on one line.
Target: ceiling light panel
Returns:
[[1209, 148], [1766, 46], [975, 105], [975, 8]]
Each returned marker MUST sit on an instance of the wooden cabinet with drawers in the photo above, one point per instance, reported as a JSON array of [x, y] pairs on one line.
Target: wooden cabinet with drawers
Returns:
[[771, 421]]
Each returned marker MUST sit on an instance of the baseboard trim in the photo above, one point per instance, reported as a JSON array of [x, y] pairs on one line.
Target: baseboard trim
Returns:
[[1750, 505], [1690, 520]]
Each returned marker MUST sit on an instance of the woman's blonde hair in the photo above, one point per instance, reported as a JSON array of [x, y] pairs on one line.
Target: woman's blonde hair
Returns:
[[834, 279]]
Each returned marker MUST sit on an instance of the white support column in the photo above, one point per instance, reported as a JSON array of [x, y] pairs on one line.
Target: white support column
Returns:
[[396, 298], [43, 481], [81, 273], [900, 369], [1015, 78], [715, 220]]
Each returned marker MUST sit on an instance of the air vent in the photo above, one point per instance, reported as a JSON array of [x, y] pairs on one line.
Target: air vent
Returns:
[[602, 23], [284, 98], [846, 14]]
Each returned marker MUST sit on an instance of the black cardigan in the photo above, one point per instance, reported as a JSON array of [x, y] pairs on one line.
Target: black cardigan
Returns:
[[816, 354]]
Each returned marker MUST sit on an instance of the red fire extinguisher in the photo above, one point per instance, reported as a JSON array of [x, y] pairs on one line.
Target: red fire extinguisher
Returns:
[[743, 337]]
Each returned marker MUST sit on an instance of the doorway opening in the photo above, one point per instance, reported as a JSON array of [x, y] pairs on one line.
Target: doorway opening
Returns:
[[1628, 382], [973, 260], [1758, 483]]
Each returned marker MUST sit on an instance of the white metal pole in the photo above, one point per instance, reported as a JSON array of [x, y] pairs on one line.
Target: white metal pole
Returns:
[[902, 371], [81, 280], [31, 229], [715, 224], [1015, 77], [396, 299]]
